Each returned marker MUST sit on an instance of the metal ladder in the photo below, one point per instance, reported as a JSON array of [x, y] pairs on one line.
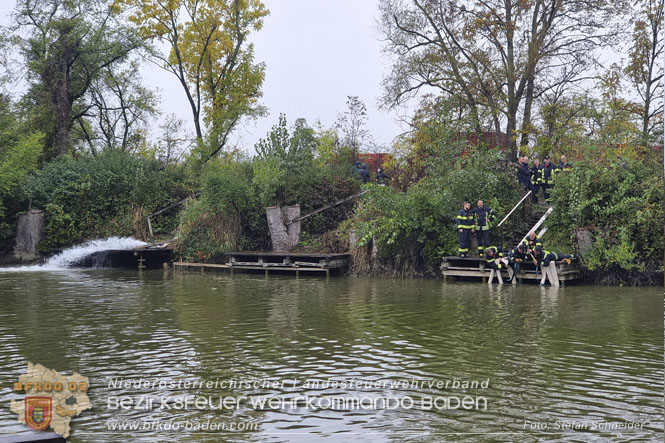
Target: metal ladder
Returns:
[[540, 222], [537, 225]]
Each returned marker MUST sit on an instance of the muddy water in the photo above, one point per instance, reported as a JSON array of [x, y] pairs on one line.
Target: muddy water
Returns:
[[577, 363]]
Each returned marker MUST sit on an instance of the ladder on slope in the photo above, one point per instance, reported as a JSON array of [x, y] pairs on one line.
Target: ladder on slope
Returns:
[[540, 222]]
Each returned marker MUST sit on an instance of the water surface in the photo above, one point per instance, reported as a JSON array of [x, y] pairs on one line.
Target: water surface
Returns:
[[578, 356]]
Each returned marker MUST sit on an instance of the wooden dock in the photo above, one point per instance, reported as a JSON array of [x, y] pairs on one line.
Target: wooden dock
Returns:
[[281, 262], [473, 267]]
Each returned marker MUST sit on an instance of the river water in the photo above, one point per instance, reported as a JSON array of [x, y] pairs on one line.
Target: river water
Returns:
[[578, 363]]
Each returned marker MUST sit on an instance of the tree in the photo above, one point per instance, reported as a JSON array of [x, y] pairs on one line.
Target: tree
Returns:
[[67, 45], [209, 53], [173, 142], [496, 56], [563, 118], [645, 68], [613, 119], [120, 109], [352, 124], [293, 150]]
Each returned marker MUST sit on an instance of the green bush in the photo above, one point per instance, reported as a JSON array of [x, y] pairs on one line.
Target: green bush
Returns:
[[60, 228], [19, 155], [98, 196], [621, 202]]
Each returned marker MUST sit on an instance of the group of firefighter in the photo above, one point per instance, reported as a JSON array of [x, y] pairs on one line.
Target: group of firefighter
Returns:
[[537, 177], [530, 249], [478, 221]]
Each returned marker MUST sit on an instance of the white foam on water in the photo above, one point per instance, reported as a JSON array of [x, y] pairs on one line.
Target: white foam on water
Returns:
[[64, 260]]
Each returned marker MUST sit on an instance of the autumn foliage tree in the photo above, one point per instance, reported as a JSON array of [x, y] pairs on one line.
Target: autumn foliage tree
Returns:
[[495, 56], [207, 49], [645, 67], [352, 123]]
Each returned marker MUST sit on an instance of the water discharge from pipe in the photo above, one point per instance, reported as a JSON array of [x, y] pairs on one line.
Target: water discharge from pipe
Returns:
[[75, 254]]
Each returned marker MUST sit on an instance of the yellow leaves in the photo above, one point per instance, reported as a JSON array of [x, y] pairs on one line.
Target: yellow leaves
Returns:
[[152, 17], [209, 51]]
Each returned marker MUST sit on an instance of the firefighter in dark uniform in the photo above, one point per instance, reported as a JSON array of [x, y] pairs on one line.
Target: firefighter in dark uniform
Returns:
[[382, 177], [547, 178], [356, 170], [364, 173], [524, 172], [536, 179], [543, 257], [484, 216], [466, 227], [563, 166], [516, 257], [531, 241], [491, 255]]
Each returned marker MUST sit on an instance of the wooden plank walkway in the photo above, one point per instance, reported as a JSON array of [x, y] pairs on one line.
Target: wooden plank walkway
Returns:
[[473, 267], [273, 262]]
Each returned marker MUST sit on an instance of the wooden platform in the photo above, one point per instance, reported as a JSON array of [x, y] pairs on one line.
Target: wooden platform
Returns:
[[273, 262], [474, 267]]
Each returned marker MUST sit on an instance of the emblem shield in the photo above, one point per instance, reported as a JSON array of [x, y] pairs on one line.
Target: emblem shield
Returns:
[[38, 412]]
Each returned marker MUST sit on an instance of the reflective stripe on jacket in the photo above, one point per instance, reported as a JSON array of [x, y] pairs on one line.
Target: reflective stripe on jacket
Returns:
[[536, 175], [484, 216], [497, 253], [465, 219], [532, 243], [516, 256]]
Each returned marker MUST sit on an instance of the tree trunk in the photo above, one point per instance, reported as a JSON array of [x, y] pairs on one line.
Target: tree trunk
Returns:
[[526, 121], [511, 126], [646, 111], [56, 77], [63, 107], [284, 235], [29, 232], [513, 100]]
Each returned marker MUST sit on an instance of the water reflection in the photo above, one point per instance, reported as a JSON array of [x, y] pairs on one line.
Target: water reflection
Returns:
[[578, 353]]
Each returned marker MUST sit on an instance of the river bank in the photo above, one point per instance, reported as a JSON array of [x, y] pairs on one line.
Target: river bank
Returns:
[[358, 266]]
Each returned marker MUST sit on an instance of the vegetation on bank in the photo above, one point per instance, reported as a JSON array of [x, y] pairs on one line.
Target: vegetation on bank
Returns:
[[78, 143], [109, 194], [619, 200], [614, 191], [413, 222], [296, 165]]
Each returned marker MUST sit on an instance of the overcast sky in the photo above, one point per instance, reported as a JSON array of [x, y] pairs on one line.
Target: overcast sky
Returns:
[[317, 52]]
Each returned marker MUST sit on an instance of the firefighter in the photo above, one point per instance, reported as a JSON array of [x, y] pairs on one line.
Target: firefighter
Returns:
[[364, 173], [547, 178], [494, 258], [563, 166], [356, 170], [543, 258], [523, 172], [382, 177], [531, 241], [466, 227], [536, 179], [515, 259], [484, 215]]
